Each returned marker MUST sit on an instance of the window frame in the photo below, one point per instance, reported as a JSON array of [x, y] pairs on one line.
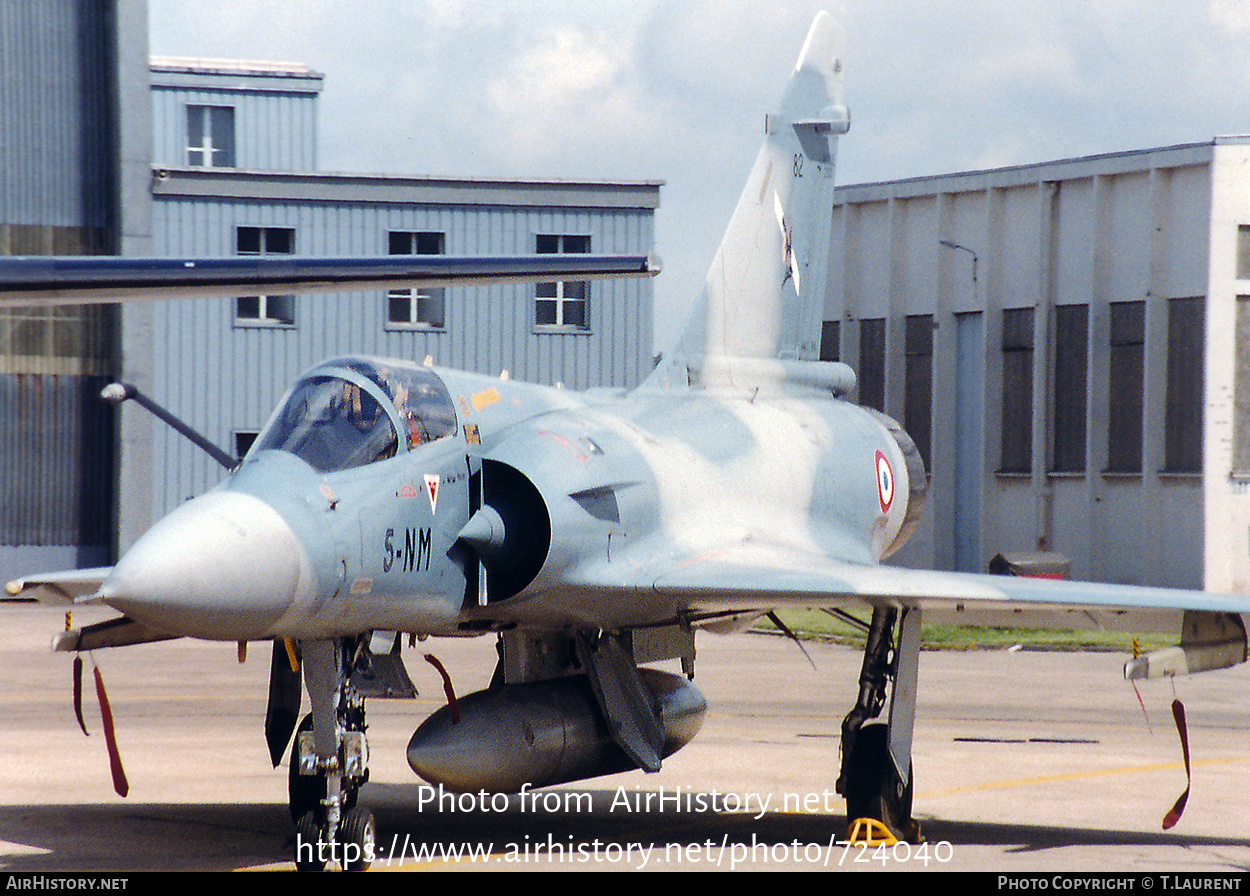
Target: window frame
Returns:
[[918, 383], [831, 340], [272, 311], [871, 381], [1241, 392], [557, 293], [416, 242], [1126, 388], [1186, 392], [1016, 437], [243, 440], [212, 122], [1070, 390]]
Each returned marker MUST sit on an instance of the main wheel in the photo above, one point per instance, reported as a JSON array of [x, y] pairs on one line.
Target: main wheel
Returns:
[[873, 787], [357, 839]]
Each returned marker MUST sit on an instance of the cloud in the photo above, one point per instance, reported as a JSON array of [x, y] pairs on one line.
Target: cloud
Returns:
[[1233, 16], [567, 65], [570, 93], [678, 91], [1033, 61]]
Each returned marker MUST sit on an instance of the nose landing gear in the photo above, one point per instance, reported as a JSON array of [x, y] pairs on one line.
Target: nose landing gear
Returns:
[[329, 762]]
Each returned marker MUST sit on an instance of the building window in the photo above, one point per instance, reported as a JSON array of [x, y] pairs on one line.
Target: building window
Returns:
[[1124, 418], [830, 341], [1182, 441], [243, 440], [276, 311], [1241, 391], [1017, 434], [1243, 252], [1071, 381], [564, 305], [418, 309], [872, 363], [918, 400], [210, 136]]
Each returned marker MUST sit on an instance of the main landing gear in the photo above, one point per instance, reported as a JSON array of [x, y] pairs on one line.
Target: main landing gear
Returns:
[[329, 762], [876, 774]]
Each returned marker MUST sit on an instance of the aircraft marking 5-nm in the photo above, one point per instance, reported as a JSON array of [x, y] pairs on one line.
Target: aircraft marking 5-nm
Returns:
[[589, 533]]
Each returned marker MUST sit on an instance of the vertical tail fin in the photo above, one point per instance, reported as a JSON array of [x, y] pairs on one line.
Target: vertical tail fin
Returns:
[[764, 296]]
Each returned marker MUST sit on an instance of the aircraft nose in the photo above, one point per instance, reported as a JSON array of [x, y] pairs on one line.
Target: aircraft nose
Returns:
[[223, 566]]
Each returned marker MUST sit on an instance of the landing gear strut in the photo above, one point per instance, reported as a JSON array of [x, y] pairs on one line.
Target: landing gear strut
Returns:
[[329, 762], [307, 792], [876, 773]]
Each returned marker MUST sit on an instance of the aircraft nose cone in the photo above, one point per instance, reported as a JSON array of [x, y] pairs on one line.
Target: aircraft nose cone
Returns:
[[224, 566]]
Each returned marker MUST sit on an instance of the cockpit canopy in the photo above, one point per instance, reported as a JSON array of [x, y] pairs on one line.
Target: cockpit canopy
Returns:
[[355, 411]]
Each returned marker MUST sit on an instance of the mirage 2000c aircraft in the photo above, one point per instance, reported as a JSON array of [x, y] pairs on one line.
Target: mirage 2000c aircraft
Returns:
[[587, 533]]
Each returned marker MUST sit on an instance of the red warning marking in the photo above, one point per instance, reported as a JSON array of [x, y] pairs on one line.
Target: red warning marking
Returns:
[[431, 485], [885, 482]]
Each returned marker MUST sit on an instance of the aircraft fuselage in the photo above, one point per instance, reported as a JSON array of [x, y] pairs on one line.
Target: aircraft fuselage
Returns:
[[587, 482]]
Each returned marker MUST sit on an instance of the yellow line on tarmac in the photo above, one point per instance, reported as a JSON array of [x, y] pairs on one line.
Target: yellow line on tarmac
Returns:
[[1076, 776]]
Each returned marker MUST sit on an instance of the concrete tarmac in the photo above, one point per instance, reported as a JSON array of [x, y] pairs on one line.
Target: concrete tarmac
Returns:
[[1024, 762]]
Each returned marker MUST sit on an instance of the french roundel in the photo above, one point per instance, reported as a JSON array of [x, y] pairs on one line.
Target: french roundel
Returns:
[[885, 482]]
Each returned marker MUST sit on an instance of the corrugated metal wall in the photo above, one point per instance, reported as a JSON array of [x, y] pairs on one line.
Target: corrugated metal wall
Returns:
[[1097, 236], [56, 443], [56, 106], [275, 124], [57, 195]]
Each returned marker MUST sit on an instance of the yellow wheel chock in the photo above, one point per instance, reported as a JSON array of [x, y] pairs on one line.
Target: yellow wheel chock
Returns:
[[870, 832]]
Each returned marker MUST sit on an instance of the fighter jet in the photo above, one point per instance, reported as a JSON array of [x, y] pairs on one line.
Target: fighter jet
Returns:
[[590, 534]]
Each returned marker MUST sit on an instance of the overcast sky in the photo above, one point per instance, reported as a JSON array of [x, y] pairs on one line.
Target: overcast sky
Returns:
[[637, 89]]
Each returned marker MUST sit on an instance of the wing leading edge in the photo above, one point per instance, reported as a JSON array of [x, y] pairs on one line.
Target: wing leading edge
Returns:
[[755, 577], [60, 280]]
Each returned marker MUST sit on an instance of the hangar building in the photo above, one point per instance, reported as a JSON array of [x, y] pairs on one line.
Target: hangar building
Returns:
[[1067, 343], [75, 170]]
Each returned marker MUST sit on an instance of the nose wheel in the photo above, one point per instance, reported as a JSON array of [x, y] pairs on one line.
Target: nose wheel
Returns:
[[353, 846], [329, 762]]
